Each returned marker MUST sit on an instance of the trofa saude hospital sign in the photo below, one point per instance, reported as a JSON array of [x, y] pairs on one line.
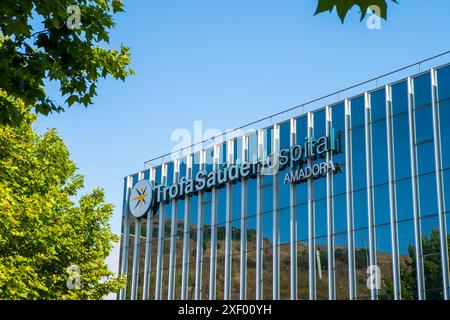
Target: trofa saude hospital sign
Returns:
[[145, 196]]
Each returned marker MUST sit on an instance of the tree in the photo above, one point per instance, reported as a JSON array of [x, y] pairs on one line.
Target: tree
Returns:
[[66, 51], [431, 267], [42, 231], [344, 6]]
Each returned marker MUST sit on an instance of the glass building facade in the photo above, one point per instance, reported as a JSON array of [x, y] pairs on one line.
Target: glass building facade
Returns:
[[377, 229]]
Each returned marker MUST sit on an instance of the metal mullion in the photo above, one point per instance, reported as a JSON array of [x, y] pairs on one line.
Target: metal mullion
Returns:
[[440, 186], [259, 221], [148, 245], [126, 236], [370, 197], [186, 235], [199, 253], [173, 236], [159, 261], [330, 213], [137, 244], [311, 217], [392, 196], [293, 221], [349, 200], [275, 227], [228, 249], [243, 253], [414, 181], [214, 209]]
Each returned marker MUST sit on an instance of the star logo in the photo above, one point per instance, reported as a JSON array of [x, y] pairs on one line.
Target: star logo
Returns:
[[141, 198]]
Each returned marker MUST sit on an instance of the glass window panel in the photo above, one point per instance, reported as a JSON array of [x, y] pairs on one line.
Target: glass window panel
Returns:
[[359, 158], [167, 219], [401, 147], [338, 116], [267, 278], [302, 129], [424, 124], [135, 179], [427, 195], [158, 174], [236, 203], [206, 259], [446, 176], [252, 148], [130, 257], [400, 97], [444, 114], [378, 105], [320, 188], [192, 246], [221, 205], [319, 123], [302, 222], [285, 272], [357, 111], [340, 213], [408, 275], [320, 208], [179, 254], [191, 277], [443, 77], [285, 225], [360, 209], [283, 190], [235, 268], [341, 266], [425, 158], [267, 221], [170, 173], [267, 141], [322, 268], [165, 268], [381, 207], [235, 240], [142, 245], [251, 257], [301, 191], [183, 167], [361, 263], [180, 217], [384, 259], [285, 135], [432, 258], [338, 123], [220, 267], [404, 200], [422, 90], [153, 262], [379, 153], [237, 150], [302, 270], [302, 252], [195, 163], [209, 159]]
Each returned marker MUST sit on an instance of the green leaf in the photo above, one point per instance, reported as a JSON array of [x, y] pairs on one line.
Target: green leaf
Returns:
[[342, 7], [70, 58], [324, 5], [71, 100]]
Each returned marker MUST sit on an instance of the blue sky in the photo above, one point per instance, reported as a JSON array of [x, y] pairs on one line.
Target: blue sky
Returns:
[[228, 63]]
